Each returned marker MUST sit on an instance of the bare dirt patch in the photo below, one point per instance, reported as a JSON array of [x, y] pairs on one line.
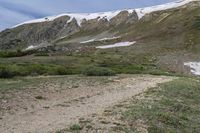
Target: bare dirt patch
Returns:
[[59, 102]]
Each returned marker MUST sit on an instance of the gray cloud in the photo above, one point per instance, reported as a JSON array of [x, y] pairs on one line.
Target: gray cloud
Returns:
[[22, 9]]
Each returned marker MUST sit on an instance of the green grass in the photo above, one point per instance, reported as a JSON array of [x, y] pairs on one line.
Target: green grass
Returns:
[[111, 61], [170, 39], [103, 66], [172, 107], [197, 23], [32, 69], [40, 98], [76, 128], [175, 35], [98, 71], [158, 42], [15, 53], [17, 84], [23, 83]]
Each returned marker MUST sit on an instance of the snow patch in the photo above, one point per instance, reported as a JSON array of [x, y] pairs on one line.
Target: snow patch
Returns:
[[109, 38], [143, 11], [102, 39], [31, 47], [88, 41], [120, 44], [195, 67]]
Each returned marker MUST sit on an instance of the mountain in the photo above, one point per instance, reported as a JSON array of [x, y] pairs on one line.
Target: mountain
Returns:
[[51, 28], [164, 36], [48, 29]]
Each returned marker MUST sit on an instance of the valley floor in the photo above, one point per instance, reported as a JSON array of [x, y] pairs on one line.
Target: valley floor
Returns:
[[57, 104]]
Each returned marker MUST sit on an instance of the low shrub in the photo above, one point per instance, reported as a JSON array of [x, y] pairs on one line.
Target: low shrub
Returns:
[[75, 127], [197, 23], [17, 53], [41, 54], [26, 69], [98, 71], [5, 73]]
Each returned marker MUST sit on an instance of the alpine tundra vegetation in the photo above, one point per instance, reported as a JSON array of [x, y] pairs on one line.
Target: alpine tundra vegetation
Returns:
[[122, 71]]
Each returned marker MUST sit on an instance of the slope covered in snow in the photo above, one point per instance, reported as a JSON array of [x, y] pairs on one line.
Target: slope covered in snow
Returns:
[[195, 67], [109, 15], [143, 11], [119, 44], [102, 39], [78, 16], [31, 47]]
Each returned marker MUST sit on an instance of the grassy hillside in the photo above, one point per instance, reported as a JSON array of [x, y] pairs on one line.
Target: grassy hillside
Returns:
[[165, 40], [173, 107]]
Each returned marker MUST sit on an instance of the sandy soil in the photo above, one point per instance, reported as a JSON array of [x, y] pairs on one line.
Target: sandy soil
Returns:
[[53, 106]]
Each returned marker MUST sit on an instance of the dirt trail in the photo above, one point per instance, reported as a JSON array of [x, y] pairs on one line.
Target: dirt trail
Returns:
[[62, 108]]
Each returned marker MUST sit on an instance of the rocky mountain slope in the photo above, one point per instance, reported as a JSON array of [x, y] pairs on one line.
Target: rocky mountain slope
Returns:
[[63, 26], [146, 40], [48, 29]]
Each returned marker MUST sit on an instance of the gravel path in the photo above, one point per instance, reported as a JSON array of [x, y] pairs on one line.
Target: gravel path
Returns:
[[62, 107]]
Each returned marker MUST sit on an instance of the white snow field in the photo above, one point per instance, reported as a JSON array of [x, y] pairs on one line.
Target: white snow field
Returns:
[[195, 67], [109, 15], [88, 41], [102, 39], [120, 44], [31, 47], [143, 11], [78, 16], [109, 38]]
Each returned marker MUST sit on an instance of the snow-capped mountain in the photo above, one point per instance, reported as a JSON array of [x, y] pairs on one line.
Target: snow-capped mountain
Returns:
[[51, 29], [109, 15]]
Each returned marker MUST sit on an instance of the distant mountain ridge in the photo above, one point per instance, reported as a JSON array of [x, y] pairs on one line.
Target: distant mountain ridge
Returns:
[[109, 15], [50, 29], [164, 37]]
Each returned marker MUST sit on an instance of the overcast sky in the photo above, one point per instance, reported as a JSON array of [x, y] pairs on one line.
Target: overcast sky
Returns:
[[13, 12]]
